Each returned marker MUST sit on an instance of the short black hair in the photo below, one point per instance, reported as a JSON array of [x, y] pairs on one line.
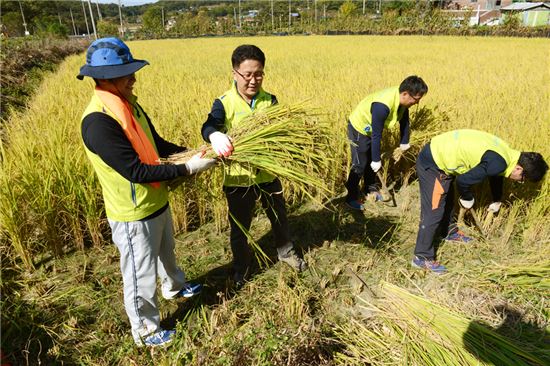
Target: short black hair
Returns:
[[414, 85], [533, 164], [247, 52]]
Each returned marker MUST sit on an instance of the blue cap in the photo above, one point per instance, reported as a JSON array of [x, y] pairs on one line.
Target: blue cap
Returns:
[[109, 58]]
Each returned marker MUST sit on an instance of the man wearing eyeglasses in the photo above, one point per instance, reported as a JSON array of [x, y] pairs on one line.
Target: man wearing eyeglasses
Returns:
[[467, 156], [378, 111], [244, 186]]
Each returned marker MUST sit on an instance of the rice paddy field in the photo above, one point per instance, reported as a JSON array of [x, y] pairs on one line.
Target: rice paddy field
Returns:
[[360, 303]]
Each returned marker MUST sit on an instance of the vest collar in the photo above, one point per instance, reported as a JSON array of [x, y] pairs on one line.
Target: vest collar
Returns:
[[252, 103]]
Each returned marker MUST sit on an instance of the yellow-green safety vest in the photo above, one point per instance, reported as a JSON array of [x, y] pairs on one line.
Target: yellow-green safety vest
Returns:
[[361, 117], [456, 152], [236, 109], [125, 201]]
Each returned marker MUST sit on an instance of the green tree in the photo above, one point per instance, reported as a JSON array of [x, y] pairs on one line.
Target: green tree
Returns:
[[203, 23], [12, 24], [152, 21], [106, 28], [49, 26], [347, 9]]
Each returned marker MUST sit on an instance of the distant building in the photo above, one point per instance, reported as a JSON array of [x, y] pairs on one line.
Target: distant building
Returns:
[[171, 23], [483, 12], [530, 14], [481, 4]]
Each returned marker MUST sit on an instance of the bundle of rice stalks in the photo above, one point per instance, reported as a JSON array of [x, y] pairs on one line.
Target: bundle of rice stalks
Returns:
[[411, 330], [529, 276], [287, 141]]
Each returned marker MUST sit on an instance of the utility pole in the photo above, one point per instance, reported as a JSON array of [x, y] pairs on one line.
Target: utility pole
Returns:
[[120, 17], [235, 16], [324, 11], [162, 12], [240, 17], [99, 17], [272, 20], [364, 7], [72, 20], [315, 10], [289, 14], [23, 16], [86, 19], [92, 18]]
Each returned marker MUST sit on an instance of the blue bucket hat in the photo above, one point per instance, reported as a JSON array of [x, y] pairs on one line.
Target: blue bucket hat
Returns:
[[109, 58]]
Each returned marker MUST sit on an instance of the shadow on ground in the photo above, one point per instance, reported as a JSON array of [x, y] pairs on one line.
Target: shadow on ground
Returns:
[[516, 342], [310, 229]]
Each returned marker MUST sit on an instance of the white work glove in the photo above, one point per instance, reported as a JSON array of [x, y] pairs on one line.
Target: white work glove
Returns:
[[398, 151], [197, 164], [494, 207], [375, 166], [221, 144], [466, 204]]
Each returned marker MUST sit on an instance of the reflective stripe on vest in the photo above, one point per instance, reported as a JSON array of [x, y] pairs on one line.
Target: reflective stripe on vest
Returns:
[[361, 117], [236, 109], [456, 152], [125, 201]]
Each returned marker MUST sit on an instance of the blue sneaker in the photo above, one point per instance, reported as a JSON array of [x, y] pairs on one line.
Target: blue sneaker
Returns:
[[190, 290], [429, 265], [377, 196], [355, 204], [459, 237], [160, 338]]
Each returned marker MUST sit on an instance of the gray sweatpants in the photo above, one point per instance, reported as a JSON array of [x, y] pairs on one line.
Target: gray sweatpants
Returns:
[[147, 249]]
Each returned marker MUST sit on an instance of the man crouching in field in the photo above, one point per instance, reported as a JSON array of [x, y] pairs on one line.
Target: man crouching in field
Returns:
[[124, 147], [243, 187], [470, 156], [378, 111]]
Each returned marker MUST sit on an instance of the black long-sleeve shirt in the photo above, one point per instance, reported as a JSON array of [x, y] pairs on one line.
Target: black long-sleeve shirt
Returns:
[[380, 112], [105, 137], [490, 166], [216, 119]]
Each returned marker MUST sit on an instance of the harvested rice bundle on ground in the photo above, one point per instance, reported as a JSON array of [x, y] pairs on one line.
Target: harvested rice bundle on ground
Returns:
[[529, 276], [411, 330]]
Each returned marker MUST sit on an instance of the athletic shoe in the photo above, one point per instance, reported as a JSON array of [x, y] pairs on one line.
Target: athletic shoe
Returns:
[[160, 338], [377, 196], [190, 290], [355, 204], [430, 265], [292, 259], [459, 237]]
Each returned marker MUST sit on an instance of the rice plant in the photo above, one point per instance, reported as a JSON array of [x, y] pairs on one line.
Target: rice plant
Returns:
[[287, 141], [412, 330]]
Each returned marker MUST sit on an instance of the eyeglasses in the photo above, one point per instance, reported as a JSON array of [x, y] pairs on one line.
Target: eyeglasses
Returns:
[[416, 99], [247, 77]]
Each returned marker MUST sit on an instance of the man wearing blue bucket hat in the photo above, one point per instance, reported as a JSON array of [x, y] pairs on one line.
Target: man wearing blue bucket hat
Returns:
[[124, 148]]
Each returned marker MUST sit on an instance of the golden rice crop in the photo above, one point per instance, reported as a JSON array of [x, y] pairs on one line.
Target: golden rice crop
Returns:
[[49, 194]]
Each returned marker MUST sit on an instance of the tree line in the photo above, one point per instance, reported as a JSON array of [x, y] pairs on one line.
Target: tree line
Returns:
[[197, 18]]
